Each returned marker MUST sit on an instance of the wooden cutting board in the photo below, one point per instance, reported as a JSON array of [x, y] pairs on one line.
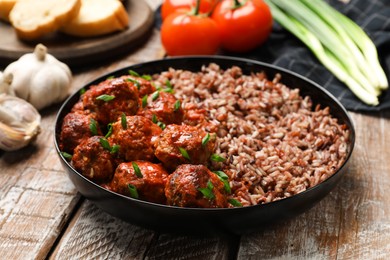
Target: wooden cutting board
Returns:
[[78, 52]]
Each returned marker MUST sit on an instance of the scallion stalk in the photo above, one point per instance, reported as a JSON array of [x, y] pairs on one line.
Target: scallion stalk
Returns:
[[339, 44]]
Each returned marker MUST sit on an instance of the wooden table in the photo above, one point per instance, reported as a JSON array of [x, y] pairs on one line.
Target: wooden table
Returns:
[[43, 217]]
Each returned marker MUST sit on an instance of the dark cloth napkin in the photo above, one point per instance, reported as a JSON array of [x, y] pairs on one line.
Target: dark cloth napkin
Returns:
[[285, 50]]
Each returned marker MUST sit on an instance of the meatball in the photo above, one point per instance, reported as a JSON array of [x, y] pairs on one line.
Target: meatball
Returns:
[[136, 139], [76, 127], [162, 107], [196, 116], [185, 185], [94, 161], [110, 99], [148, 180], [144, 86], [180, 144]]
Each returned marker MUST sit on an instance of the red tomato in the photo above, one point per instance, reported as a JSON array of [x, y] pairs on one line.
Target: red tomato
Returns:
[[187, 34], [170, 6], [244, 27]]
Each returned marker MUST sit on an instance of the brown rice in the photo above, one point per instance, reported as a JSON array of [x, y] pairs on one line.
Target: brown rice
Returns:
[[275, 142]]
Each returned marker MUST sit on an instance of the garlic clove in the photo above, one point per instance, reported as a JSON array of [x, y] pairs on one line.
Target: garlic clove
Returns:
[[19, 123]]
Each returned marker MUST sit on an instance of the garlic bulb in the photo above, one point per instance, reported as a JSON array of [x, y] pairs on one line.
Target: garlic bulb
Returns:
[[39, 78], [19, 123]]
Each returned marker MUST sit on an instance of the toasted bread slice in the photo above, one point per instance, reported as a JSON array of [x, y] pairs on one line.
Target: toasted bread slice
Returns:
[[5, 8], [98, 17], [33, 19]]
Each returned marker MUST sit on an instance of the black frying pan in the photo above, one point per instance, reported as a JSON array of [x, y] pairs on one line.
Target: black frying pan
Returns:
[[190, 220]]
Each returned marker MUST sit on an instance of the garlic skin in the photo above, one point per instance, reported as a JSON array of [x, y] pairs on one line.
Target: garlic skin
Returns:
[[19, 123], [39, 78], [5, 84]]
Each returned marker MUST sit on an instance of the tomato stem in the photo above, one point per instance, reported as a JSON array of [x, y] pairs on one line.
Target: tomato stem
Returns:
[[237, 4], [197, 6]]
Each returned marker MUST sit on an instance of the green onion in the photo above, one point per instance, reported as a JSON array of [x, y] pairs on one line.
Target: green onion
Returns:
[[235, 202], [184, 153], [93, 126], [225, 180], [154, 119], [168, 84], [124, 121], [147, 77], [168, 90], [137, 170], [155, 95], [105, 144], [217, 158], [338, 43], [208, 191], [134, 73], [109, 130], [145, 101], [205, 139], [66, 155], [133, 191], [115, 148], [177, 105], [105, 97], [161, 125], [110, 77], [136, 83], [82, 91]]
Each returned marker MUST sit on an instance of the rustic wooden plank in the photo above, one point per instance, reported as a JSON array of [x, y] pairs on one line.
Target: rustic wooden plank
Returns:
[[33, 212], [365, 222], [95, 234], [352, 222], [173, 246]]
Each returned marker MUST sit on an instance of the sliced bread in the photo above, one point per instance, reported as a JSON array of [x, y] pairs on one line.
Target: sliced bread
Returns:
[[33, 19], [5, 8], [97, 17]]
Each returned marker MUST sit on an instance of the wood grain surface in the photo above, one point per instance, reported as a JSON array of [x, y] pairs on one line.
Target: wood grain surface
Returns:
[[43, 217]]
